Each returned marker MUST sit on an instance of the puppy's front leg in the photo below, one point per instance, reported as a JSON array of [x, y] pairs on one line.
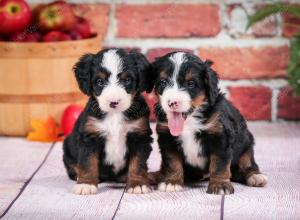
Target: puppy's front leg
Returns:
[[87, 173], [172, 170], [137, 181], [220, 174]]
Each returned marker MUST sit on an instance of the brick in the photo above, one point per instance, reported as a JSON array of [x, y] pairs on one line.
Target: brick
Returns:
[[157, 52], [235, 63], [288, 104], [290, 31], [168, 20], [253, 102], [96, 14]]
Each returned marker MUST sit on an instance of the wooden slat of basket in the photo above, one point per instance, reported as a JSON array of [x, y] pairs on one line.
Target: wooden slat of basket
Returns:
[[52, 49]]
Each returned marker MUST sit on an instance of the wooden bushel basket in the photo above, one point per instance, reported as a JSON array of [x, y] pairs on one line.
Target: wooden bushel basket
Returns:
[[37, 81]]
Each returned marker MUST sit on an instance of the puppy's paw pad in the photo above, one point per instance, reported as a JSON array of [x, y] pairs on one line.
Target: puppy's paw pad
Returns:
[[259, 180], [84, 189], [139, 190], [163, 187], [220, 188]]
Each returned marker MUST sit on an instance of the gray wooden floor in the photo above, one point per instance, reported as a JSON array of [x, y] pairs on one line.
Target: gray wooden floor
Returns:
[[33, 185]]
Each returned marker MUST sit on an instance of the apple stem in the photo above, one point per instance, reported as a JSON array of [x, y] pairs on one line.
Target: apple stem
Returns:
[[14, 9]]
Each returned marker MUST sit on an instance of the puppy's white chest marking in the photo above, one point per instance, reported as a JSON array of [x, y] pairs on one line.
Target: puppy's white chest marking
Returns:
[[191, 147], [114, 128]]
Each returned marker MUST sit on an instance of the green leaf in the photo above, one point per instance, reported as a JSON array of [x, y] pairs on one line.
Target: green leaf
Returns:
[[293, 10], [294, 65], [272, 9]]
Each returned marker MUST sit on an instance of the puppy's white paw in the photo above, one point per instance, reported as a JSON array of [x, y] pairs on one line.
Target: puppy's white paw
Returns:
[[257, 180], [163, 187], [139, 190], [84, 189]]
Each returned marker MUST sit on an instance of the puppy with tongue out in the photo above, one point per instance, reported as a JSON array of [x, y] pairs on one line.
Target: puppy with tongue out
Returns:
[[200, 133]]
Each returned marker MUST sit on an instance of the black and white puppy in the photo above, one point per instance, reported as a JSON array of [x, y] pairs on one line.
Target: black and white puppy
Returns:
[[199, 131], [111, 140]]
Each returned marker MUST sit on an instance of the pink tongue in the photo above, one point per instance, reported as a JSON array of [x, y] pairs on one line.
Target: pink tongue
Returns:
[[175, 123]]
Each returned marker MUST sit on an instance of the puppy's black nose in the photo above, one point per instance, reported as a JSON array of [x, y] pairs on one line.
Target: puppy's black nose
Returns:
[[172, 104], [113, 104]]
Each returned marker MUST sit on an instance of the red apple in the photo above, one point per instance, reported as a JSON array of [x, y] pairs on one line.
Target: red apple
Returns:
[[2, 38], [83, 27], [15, 15], [56, 16], [56, 36], [25, 37], [17, 37], [69, 118], [33, 37], [75, 35]]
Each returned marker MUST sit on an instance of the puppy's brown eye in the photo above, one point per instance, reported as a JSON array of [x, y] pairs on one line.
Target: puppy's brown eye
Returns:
[[128, 81], [191, 84], [100, 82]]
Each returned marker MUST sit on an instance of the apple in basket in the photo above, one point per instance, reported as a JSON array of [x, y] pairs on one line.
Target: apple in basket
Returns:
[[75, 35], [56, 36], [15, 15], [57, 15], [83, 27], [25, 37]]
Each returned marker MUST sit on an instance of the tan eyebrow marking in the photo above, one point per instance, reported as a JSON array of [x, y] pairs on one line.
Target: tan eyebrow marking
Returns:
[[102, 75], [163, 74], [189, 76]]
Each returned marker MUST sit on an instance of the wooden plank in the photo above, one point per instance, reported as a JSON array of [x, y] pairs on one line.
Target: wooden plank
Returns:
[[49, 196], [277, 153], [19, 159], [280, 199], [277, 146], [193, 203]]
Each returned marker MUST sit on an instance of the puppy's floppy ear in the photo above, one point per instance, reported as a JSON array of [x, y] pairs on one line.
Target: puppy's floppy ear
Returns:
[[144, 71], [211, 81], [83, 73]]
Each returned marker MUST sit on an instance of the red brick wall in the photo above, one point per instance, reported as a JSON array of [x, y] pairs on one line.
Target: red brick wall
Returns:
[[252, 65]]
